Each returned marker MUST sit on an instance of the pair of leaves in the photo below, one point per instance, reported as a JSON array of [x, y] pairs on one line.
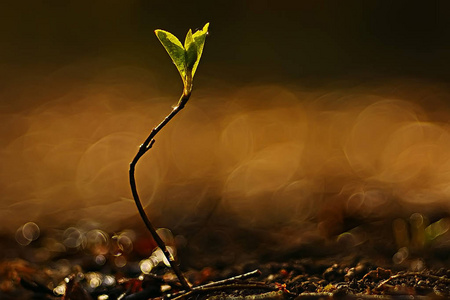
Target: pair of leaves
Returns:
[[187, 57]]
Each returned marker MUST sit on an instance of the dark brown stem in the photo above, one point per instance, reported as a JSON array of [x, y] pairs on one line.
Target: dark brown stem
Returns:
[[147, 145]]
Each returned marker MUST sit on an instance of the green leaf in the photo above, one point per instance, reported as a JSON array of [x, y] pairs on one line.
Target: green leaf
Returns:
[[175, 50], [187, 57], [191, 50], [199, 38]]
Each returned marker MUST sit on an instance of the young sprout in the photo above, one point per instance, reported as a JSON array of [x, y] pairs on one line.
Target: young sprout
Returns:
[[186, 59]]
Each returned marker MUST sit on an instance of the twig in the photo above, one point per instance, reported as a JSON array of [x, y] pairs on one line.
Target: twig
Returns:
[[273, 295], [226, 281], [433, 277], [147, 145], [323, 296], [311, 296], [233, 286], [221, 284]]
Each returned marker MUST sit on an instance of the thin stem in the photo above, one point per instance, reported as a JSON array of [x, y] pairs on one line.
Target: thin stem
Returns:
[[147, 145], [440, 279], [253, 273], [233, 286]]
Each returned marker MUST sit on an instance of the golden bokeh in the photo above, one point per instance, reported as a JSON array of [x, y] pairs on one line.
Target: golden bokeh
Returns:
[[265, 154]]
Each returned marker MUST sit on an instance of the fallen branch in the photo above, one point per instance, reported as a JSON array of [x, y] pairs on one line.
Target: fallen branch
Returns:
[[441, 279]]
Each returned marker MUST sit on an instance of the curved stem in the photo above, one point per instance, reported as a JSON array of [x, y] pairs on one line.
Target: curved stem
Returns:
[[147, 145]]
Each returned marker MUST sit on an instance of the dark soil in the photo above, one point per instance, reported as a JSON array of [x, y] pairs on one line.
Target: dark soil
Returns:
[[322, 269], [344, 278]]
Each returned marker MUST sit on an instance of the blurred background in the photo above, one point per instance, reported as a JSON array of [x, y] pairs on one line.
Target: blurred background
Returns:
[[311, 122]]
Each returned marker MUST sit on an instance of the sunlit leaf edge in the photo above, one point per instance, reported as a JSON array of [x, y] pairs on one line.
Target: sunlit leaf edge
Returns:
[[199, 38], [175, 50]]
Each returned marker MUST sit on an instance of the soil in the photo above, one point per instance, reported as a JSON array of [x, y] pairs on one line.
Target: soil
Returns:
[[335, 268], [327, 278]]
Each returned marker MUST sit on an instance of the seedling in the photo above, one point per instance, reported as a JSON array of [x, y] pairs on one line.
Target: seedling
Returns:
[[186, 59]]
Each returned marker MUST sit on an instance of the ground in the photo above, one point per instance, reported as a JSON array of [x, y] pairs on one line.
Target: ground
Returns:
[[339, 277]]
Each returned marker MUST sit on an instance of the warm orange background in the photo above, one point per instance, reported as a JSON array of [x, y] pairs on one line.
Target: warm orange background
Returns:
[[303, 111]]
